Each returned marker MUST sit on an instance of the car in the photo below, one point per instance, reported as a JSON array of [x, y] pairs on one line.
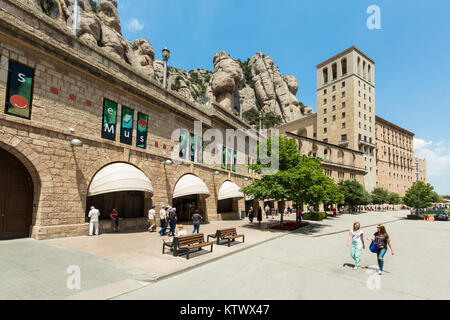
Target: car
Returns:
[[441, 217]]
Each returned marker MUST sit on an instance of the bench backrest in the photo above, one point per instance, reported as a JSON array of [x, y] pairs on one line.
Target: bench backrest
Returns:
[[190, 240], [227, 232]]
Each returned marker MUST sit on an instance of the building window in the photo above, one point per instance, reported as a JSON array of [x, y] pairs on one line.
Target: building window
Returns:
[[324, 101], [334, 98], [325, 140], [324, 91], [343, 105], [325, 75], [334, 70], [334, 118], [344, 137], [343, 84], [334, 88], [343, 125], [344, 66], [324, 120], [325, 111], [343, 94], [325, 130], [343, 115]]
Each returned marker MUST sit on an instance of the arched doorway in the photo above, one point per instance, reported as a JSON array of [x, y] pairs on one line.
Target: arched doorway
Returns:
[[189, 195], [121, 186], [16, 198]]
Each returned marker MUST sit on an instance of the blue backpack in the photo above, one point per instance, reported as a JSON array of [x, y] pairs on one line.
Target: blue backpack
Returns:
[[373, 247]]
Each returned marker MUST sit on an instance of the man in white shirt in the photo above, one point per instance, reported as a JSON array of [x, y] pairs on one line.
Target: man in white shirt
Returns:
[[94, 215], [151, 219]]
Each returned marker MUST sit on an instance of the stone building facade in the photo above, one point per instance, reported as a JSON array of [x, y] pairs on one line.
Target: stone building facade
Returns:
[[420, 169], [346, 106], [339, 163], [46, 178], [395, 157]]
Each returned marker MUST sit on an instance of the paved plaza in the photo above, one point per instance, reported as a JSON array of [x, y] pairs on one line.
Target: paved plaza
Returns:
[[312, 263]]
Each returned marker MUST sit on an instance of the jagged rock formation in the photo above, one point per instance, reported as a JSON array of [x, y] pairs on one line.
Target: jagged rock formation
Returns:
[[239, 87]]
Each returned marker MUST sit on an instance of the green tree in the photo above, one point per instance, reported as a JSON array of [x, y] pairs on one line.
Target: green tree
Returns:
[[437, 198], [394, 198], [299, 179], [380, 196], [354, 193], [420, 195]]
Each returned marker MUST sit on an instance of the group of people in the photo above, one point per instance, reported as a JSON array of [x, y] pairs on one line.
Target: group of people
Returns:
[[94, 220], [168, 218], [268, 211], [380, 243]]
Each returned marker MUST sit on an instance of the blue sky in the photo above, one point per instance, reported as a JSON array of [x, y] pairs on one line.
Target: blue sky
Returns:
[[411, 51]]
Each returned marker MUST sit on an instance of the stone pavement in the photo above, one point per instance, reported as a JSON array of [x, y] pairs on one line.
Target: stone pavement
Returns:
[[113, 264], [298, 267]]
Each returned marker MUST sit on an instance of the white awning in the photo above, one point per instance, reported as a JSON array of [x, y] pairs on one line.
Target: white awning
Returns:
[[119, 177], [229, 190], [189, 185]]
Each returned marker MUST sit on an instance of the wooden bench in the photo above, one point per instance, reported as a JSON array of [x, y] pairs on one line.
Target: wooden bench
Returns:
[[227, 234], [186, 243]]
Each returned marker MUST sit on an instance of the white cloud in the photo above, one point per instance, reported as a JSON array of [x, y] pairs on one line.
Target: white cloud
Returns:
[[134, 25], [437, 156]]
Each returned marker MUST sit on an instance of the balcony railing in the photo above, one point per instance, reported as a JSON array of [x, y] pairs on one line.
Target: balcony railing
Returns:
[[344, 143], [368, 144]]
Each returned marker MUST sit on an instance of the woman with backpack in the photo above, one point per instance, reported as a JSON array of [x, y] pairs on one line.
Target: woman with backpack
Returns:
[[355, 237], [382, 241]]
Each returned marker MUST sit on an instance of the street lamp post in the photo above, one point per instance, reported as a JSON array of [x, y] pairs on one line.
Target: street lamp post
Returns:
[[166, 56]]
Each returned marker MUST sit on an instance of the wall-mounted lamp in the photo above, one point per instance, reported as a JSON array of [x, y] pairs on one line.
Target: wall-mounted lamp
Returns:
[[216, 173], [168, 162], [76, 143]]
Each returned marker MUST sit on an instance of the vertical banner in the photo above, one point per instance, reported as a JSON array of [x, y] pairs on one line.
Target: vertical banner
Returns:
[[192, 147], [142, 129], [109, 120], [229, 159], [224, 157], [234, 161], [183, 144], [19, 93], [199, 150], [126, 128]]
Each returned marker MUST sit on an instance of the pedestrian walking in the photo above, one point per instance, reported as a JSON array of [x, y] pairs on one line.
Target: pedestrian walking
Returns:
[[114, 216], [196, 218], [151, 219], [93, 215], [259, 217], [251, 214], [163, 220], [382, 241], [173, 221], [356, 243], [299, 214], [267, 210]]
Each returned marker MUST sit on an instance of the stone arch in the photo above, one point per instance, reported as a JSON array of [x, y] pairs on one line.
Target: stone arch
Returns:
[[340, 156], [38, 170]]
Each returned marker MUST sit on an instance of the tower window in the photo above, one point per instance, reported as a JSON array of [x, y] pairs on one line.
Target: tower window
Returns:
[[344, 66], [325, 75], [334, 70]]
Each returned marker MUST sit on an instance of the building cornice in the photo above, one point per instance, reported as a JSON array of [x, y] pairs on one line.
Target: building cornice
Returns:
[[390, 124], [343, 53]]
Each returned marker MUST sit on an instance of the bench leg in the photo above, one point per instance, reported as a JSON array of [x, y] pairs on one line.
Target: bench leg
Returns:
[[211, 247], [163, 247], [243, 239], [175, 251], [229, 243], [187, 256]]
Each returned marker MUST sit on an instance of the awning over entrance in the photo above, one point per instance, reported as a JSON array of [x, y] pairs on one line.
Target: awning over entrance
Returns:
[[229, 190], [189, 185], [118, 177]]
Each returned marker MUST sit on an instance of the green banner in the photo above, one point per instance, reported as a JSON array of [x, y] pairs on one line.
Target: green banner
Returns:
[[229, 160], [199, 150], [183, 144], [109, 120], [234, 161], [126, 129], [224, 157], [192, 147], [19, 93], [142, 129]]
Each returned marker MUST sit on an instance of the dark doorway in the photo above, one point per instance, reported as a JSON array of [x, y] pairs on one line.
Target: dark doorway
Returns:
[[129, 204], [186, 207], [16, 198]]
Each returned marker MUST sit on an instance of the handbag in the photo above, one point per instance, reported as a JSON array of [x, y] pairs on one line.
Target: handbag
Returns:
[[373, 247]]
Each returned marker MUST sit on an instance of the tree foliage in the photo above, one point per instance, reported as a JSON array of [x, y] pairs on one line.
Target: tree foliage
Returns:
[[394, 198], [300, 179], [420, 195], [354, 193], [380, 196]]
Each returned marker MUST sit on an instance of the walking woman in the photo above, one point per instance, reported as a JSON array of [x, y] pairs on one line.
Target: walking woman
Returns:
[[382, 241], [355, 237], [251, 214], [259, 216]]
